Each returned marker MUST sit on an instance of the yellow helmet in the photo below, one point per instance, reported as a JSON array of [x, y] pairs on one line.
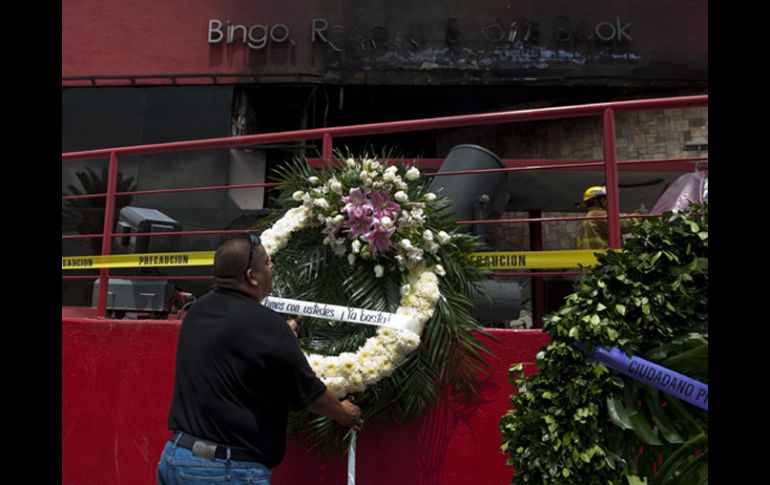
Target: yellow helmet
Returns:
[[591, 192]]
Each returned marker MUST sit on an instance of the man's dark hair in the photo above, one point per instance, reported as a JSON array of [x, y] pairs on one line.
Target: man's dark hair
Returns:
[[231, 258]]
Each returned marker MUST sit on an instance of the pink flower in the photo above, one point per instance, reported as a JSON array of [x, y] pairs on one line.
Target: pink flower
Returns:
[[356, 198], [384, 206], [379, 238], [359, 221], [359, 210]]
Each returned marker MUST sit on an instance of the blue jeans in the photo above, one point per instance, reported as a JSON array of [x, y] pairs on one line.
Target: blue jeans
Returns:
[[178, 466]]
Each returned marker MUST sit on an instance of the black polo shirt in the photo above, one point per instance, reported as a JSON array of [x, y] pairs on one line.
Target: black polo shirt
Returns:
[[239, 370]]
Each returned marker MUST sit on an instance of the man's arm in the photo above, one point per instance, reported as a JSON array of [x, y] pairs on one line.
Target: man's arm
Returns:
[[294, 325], [344, 412]]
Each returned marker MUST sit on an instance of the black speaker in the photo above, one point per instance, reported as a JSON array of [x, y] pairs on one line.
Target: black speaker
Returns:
[[473, 196]]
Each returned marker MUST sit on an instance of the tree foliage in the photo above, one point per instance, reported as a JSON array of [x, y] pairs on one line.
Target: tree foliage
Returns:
[[576, 421], [86, 216]]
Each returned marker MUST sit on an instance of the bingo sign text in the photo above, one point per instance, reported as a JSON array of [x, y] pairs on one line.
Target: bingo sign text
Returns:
[[255, 36], [258, 36]]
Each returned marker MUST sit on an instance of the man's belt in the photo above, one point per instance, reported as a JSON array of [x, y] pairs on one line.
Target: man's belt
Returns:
[[206, 449]]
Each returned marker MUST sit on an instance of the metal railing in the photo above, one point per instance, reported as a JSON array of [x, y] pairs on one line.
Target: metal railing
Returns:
[[327, 135]]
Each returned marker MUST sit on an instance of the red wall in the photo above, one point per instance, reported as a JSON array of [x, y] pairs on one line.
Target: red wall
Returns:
[[149, 37], [117, 379]]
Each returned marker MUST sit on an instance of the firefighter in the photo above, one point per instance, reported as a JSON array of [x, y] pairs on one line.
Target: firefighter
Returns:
[[592, 234]]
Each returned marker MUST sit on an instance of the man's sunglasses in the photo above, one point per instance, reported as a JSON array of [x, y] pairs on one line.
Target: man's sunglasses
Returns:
[[254, 241]]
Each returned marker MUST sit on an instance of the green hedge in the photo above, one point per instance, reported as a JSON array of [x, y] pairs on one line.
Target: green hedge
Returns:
[[576, 421]]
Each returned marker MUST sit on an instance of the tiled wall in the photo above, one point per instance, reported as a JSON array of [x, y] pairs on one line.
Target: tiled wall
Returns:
[[640, 136]]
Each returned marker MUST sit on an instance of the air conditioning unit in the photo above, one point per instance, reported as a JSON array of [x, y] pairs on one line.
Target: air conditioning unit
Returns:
[[136, 295], [140, 219]]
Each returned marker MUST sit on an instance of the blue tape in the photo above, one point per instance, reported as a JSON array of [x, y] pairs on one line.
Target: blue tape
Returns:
[[654, 375]]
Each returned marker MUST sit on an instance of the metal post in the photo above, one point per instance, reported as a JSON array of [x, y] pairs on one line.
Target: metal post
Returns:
[[538, 285], [611, 180], [327, 148], [109, 215]]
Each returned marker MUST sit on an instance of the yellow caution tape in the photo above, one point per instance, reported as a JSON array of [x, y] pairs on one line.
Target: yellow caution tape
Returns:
[[490, 260], [154, 260], [536, 259]]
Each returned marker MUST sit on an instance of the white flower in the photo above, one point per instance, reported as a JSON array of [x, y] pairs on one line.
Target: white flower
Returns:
[[370, 375], [432, 247], [406, 244], [400, 184], [418, 216], [297, 195], [386, 222], [439, 270], [338, 219], [347, 363], [363, 174], [377, 185], [428, 290], [401, 196], [412, 174], [379, 271], [355, 383], [329, 368], [405, 289], [335, 186], [387, 368], [355, 246], [427, 235], [428, 277], [315, 361], [322, 203], [406, 310], [364, 356], [414, 255], [389, 176], [443, 238], [350, 163], [339, 247], [375, 165], [430, 197], [352, 259], [313, 180]]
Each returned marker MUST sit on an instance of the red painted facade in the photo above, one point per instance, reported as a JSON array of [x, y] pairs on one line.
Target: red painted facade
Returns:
[[334, 42], [117, 378]]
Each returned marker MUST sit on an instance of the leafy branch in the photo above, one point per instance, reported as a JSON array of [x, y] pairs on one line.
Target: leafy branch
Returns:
[[578, 422]]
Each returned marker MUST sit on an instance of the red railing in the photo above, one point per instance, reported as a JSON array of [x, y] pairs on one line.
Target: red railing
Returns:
[[327, 135]]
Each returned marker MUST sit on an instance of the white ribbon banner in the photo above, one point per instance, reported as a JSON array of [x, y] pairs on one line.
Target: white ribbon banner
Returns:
[[352, 460], [342, 313]]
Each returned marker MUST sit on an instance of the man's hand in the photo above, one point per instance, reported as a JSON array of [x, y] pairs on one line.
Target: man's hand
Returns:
[[352, 416], [294, 325], [344, 412]]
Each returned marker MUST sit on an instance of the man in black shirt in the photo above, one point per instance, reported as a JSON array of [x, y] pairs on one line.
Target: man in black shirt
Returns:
[[239, 370]]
